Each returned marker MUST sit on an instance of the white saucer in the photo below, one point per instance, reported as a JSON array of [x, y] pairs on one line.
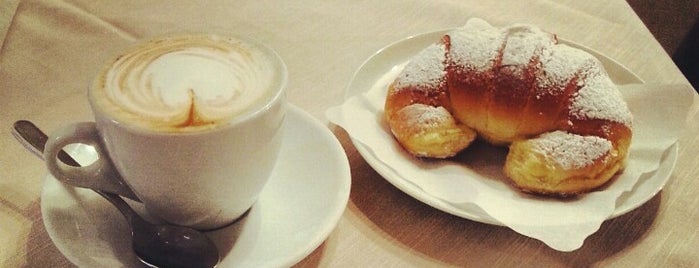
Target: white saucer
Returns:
[[296, 211], [398, 53]]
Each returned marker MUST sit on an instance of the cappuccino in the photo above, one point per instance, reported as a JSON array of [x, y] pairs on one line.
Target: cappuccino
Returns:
[[188, 83], [192, 124]]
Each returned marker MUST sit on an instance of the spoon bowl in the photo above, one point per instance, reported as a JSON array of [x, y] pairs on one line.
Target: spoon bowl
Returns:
[[166, 245], [184, 248]]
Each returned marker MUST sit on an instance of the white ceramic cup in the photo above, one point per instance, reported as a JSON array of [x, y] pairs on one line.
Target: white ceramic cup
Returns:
[[192, 159]]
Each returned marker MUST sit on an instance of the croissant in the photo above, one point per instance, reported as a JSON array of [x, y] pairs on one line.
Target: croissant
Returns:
[[566, 123]]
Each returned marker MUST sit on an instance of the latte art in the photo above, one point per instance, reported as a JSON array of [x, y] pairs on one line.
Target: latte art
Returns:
[[187, 83]]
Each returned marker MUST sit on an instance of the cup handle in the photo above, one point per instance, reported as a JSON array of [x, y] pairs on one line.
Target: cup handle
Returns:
[[100, 175]]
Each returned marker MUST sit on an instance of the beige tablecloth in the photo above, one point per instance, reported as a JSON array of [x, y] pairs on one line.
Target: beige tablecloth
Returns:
[[51, 49]]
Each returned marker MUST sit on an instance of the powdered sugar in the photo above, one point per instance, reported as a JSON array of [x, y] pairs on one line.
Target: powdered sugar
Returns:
[[476, 46], [426, 70], [523, 43], [425, 116], [560, 65], [599, 98], [571, 151]]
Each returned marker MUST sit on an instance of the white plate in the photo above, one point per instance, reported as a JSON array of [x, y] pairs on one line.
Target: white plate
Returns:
[[400, 52], [296, 211]]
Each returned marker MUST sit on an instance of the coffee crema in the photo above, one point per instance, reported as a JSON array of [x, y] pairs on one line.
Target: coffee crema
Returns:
[[187, 83]]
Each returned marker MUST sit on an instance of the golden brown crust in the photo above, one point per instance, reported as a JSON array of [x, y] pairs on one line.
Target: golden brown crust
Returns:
[[527, 92], [536, 172], [422, 124]]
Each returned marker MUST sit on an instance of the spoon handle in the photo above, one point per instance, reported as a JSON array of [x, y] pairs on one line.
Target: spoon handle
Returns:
[[29, 135], [34, 140], [131, 216]]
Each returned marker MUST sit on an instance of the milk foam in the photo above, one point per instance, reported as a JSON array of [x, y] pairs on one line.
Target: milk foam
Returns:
[[187, 83]]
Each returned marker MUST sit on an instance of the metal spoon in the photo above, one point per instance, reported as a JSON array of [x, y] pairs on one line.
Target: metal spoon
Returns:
[[35, 141], [154, 245]]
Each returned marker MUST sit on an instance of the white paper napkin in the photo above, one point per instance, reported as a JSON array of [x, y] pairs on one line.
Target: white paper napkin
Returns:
[[476, 178]]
